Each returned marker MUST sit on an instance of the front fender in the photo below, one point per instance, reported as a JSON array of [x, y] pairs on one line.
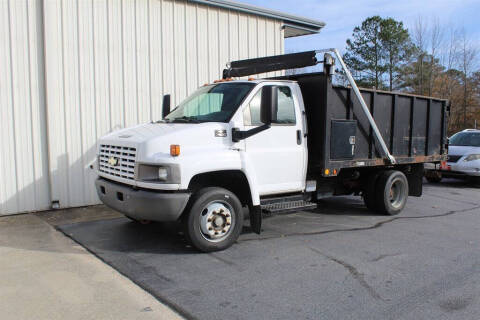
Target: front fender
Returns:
[[214, 160]]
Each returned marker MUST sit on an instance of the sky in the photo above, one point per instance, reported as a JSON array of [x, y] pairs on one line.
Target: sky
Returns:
[[341, 16]]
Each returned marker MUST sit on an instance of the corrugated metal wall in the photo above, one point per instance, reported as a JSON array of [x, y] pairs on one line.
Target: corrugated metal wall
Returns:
[[23, 135], [108, 64]]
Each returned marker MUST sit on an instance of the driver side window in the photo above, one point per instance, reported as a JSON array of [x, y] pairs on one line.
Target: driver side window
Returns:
[[285, 112]]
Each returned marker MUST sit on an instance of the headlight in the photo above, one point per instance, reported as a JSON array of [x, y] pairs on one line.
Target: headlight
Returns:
[[162, 174], [168, 173], [472, 157]]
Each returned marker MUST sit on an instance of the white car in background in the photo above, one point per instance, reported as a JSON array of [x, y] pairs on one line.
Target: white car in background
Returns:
[[463, 157]]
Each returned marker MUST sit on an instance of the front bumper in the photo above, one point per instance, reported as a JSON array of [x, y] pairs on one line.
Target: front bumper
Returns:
[[142, 204], [461, 168]]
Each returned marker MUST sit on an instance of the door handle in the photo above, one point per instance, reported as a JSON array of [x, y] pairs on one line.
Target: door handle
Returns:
[[299, 137]]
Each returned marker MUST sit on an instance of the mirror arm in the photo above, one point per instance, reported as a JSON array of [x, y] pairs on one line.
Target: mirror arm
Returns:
[[238, 135]]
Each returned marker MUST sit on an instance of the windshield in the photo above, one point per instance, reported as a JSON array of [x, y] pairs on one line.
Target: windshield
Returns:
[[211, 103], [470, 139]]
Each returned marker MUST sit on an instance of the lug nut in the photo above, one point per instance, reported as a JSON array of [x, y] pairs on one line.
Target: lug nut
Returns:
[[210, 228]]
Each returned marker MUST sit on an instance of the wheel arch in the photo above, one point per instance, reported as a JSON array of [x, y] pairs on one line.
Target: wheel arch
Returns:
[[233, 180]]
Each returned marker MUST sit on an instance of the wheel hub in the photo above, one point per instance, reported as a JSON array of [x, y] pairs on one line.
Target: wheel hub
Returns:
[[216, 221]]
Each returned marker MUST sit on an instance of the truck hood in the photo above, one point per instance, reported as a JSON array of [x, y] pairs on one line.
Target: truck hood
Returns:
[[153, 140], [143, 132]]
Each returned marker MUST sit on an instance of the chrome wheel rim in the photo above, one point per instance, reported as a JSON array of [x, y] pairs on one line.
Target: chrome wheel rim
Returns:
[[216, 221]]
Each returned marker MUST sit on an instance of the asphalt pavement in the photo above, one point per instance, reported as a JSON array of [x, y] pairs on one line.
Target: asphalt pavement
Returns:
[[337, 262]]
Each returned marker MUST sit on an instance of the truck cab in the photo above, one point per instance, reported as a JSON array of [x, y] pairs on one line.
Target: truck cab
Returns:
[[151, 171]]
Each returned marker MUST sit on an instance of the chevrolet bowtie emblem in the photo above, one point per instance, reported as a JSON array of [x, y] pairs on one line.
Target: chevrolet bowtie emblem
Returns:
[[113, 161]]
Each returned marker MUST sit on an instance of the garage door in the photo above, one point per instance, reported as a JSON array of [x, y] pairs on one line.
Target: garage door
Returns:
[[24, 177]]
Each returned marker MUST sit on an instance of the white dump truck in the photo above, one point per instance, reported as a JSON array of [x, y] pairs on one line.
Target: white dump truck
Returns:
[[271, 145]]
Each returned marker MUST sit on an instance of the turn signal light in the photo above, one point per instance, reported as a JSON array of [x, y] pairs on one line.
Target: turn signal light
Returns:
[[174, 150], [443, 165]]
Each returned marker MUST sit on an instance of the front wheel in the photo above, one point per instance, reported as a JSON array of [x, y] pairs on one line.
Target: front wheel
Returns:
[[214, 221], [392, 192]]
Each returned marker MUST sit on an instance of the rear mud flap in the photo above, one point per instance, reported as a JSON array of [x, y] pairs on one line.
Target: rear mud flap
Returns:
[[415, 180]]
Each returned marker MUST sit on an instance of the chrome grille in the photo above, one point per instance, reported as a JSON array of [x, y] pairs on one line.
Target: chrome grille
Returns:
[[124, 158]]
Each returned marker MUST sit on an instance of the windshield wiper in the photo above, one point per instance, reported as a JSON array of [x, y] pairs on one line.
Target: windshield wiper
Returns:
[[186, 119]]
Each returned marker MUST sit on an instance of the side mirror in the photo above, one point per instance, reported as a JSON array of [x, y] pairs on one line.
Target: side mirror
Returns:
[[269, 105], [165, 106]]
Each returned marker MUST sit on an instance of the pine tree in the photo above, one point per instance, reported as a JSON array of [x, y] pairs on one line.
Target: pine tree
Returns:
[[365, 54], [378, 47], [397, 45]]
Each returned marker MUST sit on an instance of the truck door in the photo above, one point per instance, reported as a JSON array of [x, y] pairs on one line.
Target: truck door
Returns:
[[277, 155]]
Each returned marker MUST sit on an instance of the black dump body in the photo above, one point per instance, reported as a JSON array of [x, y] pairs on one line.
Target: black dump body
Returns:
[[340, 136]]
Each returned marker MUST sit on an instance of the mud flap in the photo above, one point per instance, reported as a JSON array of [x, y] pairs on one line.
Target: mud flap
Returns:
[[415, 180], [256, 219]]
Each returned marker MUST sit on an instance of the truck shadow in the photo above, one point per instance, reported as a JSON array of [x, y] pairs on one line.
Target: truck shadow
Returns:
[[124, 235], [344, 205]]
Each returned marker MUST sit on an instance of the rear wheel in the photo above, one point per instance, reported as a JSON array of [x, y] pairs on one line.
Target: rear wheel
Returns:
[[392, 192], [433, 176], [214, 221]]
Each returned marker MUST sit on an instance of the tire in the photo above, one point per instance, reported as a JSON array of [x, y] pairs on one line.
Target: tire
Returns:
[[433, 177], [475, 181], [392, 192], [369, 194], [214, 221]]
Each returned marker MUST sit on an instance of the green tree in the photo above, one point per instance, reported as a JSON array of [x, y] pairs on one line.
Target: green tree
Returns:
[[413, 76], [378, 47], [397, 45], [365, 54]]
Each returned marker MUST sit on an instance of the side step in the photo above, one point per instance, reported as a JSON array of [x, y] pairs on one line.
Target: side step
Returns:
[[286, 205]]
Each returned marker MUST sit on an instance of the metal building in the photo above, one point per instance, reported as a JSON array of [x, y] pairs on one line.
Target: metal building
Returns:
[[73, 70]]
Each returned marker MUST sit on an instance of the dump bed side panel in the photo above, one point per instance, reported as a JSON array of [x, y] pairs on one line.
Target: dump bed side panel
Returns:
[[402, 126], [412, 127]]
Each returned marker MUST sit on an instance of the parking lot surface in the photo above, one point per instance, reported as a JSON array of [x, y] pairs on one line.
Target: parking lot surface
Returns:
[[337, 262]]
